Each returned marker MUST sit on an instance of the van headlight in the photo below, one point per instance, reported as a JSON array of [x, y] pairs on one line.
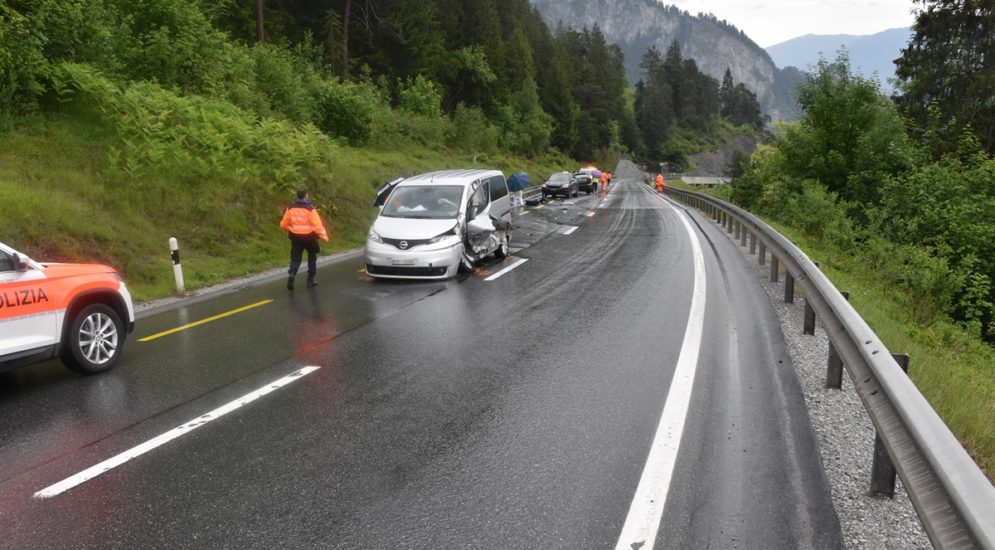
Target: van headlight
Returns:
[[374, 236], [443, 236]]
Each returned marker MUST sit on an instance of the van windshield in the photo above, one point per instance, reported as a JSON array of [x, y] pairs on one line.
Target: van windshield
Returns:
[[427, 202]]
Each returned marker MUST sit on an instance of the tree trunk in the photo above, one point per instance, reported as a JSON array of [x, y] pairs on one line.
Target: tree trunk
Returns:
[[345, 39], [259, 20]]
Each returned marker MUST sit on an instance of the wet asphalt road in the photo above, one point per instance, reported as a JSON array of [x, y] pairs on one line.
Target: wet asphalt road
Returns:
[[511, 413]]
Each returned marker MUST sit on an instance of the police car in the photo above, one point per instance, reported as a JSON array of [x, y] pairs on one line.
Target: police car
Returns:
[[80, 313]]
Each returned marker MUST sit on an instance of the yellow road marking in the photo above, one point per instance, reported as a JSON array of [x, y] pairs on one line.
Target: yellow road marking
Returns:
[[203, 321]]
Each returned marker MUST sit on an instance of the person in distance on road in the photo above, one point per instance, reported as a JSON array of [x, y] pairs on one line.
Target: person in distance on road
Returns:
[[659, 183], [304, 227]]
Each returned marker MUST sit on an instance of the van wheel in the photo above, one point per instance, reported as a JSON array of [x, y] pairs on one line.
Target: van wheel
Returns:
[[94, 341], [502, 251]]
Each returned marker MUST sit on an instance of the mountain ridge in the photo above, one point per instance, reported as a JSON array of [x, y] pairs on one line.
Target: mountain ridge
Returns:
[[713, 44], [869, 54]]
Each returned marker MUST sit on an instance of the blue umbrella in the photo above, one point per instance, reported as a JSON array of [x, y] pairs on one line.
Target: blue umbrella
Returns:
[[519, 181]]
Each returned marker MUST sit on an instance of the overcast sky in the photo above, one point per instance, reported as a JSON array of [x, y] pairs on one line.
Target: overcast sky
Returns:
[[770, 22]]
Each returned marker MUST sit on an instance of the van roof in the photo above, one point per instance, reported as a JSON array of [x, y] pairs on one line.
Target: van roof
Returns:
[[450, 177]]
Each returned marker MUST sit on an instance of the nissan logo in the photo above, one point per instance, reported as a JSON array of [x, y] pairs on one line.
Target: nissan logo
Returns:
[[403, 245]]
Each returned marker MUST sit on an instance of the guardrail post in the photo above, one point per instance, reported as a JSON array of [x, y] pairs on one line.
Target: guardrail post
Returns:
[[773, 268], [834, 369], [809, 324], [763, 254], [789, 288], [742, 240], [882, 468], [737, 228], [753, 243], [730, 222]]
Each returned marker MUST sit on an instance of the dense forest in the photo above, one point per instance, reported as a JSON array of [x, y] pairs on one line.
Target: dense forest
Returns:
[[492, 63]]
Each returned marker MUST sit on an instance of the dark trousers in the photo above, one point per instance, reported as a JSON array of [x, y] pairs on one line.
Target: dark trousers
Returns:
[[297, 247]]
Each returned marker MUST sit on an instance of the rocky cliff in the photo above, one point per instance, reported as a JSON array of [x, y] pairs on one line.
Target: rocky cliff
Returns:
[[715, 45]]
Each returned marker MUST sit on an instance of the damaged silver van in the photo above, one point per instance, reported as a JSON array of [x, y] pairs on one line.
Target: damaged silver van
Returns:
[[434, 225]]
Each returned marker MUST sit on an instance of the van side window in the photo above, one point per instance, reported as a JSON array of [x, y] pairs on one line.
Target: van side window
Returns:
[[498, 187], [480, 198], [6, 262]]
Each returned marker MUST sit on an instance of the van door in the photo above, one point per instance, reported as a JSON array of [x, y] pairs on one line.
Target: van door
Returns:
[[500, 199], [480, 228]]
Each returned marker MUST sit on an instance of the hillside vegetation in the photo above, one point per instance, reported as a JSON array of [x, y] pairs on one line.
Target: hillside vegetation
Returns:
[[126, 123]]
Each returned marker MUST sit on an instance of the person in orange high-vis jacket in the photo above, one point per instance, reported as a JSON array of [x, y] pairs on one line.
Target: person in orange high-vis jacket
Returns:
[[304, 227], [659, 183], [604, 181]]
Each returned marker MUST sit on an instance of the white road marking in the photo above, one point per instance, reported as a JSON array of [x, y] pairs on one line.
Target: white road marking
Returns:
[[569, 230], [507, 269], [643, 522], [590, 214], [151, 444]]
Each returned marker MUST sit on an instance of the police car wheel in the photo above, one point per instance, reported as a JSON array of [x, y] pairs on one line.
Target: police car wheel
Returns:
[[94, 341]]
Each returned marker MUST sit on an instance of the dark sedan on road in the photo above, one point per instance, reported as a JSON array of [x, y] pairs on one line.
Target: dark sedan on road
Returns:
[[560, 183]]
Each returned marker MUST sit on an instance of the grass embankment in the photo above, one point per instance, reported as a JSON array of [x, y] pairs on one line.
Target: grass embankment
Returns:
[[952, 369], [75, 187]]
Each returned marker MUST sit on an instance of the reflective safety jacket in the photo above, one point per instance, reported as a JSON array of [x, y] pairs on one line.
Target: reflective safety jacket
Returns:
[[659, 181], [301, 220]]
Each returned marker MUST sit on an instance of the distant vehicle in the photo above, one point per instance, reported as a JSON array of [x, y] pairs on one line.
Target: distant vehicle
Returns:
[[434, 225], [585, 182], [560, 183], [78, 312]]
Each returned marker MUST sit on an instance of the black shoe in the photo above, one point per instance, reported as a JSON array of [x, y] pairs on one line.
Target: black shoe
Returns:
[[290, 283]]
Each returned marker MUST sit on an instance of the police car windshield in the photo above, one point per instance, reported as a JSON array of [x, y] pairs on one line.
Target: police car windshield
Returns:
[[428, 202]]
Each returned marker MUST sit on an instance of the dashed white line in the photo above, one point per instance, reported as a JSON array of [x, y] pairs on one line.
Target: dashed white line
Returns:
[[643, 522], [569, 230], [507, 269], [134, 452]]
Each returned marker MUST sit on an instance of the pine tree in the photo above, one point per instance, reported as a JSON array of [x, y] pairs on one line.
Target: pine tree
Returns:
[[949, 67]]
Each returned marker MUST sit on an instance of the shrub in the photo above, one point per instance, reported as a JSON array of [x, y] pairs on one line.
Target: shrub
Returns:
[[285, 82], [347, 110], [471, 131], [421, 96]]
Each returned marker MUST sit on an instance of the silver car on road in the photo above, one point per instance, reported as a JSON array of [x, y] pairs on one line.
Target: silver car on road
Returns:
[[433, 225]]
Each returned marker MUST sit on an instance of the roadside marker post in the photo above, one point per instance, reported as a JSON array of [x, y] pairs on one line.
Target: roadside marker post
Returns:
[[174, 249]]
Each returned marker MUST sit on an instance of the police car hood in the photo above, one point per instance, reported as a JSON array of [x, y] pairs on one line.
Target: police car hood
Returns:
[[68, 270], [410, 228]]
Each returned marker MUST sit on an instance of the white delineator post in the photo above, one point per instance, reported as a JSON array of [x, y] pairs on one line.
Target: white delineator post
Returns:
[[174, 248]]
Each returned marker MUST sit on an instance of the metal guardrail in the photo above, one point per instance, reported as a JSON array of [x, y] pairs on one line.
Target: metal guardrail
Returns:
[[954, 499]]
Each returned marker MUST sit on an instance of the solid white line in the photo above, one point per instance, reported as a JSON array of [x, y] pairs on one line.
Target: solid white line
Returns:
[[646, 510], [507, 269], [590, 214], [151, 444], [571, 230]]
